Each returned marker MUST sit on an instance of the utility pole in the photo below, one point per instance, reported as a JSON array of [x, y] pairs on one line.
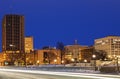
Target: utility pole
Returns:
[[117, 65]]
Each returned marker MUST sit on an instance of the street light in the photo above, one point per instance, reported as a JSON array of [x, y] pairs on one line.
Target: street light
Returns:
[[115, 61], [38, 62], [94, 57], [33, 52], [55, 61], [4, 63], [12, 46], [85, 62], [62, 61], [72, 59], [117, 64]]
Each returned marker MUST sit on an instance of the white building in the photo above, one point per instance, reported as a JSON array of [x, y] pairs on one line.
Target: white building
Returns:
[[109, 44]]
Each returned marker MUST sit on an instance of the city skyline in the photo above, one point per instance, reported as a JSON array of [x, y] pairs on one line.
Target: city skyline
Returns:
[[52, 21], [55, 39]]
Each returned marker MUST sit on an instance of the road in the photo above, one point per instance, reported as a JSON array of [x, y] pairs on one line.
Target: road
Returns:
[[36, 74]]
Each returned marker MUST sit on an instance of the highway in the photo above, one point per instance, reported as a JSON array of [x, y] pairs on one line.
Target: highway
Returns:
[[37, 74]]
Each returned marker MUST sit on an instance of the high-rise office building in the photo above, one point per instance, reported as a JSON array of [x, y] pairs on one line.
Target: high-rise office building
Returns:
[[28, 44], [13, 33], [109, 44]]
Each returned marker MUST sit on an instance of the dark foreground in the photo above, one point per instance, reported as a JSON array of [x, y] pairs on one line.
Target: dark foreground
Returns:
[[37, 74]]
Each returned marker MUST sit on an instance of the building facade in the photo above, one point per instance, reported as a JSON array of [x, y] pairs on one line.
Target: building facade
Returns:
[[86, 53], [109, 44], [2, 59], [73, 52], [28, 44], [13, 33], [43, 56]]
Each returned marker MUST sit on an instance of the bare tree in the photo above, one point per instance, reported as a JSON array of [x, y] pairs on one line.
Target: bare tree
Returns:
[[15, 57], [49, 56], [60, 46], [100, 54]]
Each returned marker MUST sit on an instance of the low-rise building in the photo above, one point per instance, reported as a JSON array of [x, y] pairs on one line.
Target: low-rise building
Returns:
[[43, 56], [86, 54], [73, 52], [2, 59]]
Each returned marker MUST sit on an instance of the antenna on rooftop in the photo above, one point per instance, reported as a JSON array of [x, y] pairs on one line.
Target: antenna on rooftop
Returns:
[[76, 42], [10, 8]]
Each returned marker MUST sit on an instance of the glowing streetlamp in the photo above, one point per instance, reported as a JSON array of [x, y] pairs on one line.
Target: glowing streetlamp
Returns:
[[33, 51], [55, 61], [62, 61], [38, 62], [12, 59], [85, 62], [94, 57], [72, 60]]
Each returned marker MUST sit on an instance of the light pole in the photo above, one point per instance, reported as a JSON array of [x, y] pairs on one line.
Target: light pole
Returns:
[[38, 62], [117, 64], [63, 62], [115, 60], [73, 60], [94, 57], [33, 52], [12, 46], [25, 59], [55, 61], [85, 61]]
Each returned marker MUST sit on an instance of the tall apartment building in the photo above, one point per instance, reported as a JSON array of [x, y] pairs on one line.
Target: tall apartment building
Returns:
[[109, 44], [13, 33], [28, 44]]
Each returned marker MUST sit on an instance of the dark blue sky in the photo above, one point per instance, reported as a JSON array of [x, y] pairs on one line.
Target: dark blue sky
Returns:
[[49, 21]]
